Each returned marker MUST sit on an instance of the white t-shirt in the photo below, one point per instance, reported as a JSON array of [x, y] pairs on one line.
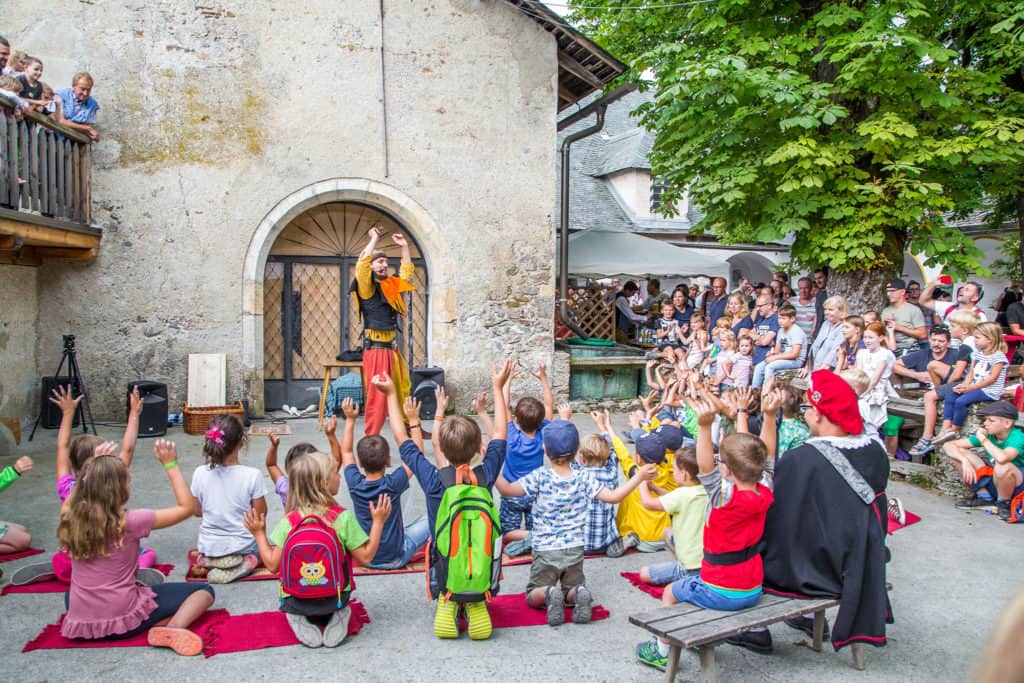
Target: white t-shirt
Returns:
[[225, 493], [869, 362], [945, 308], [560, 507]]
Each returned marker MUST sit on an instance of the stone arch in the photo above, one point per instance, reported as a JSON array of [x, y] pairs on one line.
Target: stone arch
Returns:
[[755, 267], [385, 197]]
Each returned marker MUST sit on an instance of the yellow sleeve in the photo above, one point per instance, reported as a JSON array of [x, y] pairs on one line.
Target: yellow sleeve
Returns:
[[406, 270], [622, 453], [364, 277]]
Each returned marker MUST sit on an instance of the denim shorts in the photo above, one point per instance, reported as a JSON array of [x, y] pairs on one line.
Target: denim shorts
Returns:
[[696, 592], [516, 512], [664, 573]]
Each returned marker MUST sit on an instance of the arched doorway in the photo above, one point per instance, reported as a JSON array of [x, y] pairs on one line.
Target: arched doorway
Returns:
[[308, 312]]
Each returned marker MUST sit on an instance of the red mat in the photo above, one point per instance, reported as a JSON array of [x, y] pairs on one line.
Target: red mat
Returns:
[[24, 553], [896, 526], [634, 578], [245, 632], [510, 611], [221, 633], [51, 639], [55, 586]]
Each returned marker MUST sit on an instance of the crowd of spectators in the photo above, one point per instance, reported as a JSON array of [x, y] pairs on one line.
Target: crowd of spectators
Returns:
[[21, 81]]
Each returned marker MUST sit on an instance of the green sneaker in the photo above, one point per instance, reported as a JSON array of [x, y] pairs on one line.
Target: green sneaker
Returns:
[[445, 624], [479, 620], [647, 652]]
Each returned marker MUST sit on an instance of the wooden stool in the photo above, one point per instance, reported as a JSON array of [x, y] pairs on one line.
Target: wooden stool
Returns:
[[328, 368]]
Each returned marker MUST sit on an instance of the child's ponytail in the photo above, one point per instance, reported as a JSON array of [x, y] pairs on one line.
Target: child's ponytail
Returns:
[[224, 433]]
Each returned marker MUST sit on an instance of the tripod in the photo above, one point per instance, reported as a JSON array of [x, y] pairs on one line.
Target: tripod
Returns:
[[83, 411]]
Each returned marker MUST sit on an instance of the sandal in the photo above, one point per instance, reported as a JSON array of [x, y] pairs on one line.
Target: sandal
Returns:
[[922, 447]]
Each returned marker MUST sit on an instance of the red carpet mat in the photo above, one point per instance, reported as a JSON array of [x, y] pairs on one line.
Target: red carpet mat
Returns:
[[896, 526], [510, 611], [634, 578], [221, 632], [24, 553], [52, 585]]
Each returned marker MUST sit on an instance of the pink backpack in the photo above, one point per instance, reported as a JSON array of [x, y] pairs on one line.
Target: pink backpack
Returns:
[[314, 563]]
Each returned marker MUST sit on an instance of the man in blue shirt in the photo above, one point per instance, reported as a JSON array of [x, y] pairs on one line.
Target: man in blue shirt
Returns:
[[766, 325], [716, 303], [78, 108]]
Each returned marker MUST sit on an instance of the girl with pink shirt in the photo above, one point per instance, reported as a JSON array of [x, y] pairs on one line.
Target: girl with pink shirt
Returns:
[[105, 601], [72, 457]]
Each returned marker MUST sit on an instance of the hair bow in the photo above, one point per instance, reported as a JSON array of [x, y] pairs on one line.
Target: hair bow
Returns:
[[215, 435]]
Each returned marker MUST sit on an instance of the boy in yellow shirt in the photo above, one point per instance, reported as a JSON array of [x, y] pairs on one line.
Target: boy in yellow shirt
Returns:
[[638, 526]]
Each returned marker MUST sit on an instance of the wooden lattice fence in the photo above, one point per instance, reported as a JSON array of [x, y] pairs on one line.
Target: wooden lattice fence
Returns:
[[593, 309]]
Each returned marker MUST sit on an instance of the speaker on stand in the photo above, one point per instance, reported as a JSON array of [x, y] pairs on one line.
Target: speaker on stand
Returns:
[[49, 412], [153, 420], [423, 382]]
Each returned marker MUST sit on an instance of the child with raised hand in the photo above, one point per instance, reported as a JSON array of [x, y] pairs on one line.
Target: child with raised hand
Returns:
[[524, 453], [223, 490], [72, 457], [399, 543], [456, 441], [105, 600], [561, 494], [279, 478], [595, 459], [313, 483], [14, 537], [687, 507], [731, 572]]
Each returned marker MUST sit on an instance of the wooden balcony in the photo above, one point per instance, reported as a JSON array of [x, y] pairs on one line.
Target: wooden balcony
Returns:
[[45, 190]]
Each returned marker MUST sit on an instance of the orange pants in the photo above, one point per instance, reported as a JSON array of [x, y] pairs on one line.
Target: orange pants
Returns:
[[382, 362]]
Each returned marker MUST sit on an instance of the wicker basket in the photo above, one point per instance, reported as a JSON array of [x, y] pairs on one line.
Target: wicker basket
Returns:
[[197, 419]]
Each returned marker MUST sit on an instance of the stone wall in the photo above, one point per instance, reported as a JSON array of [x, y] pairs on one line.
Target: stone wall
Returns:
[[19, 321], [212, 114]]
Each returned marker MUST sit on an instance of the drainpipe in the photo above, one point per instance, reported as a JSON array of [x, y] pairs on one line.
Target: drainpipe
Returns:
[[598, 106]]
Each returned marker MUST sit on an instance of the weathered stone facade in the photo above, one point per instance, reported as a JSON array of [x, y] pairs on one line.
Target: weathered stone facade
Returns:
[[217, 120]]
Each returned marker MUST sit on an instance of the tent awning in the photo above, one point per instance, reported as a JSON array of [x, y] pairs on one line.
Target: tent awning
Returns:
[[599, 253]]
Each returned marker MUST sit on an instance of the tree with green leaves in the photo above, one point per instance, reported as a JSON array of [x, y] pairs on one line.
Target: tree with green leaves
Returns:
[[852, 126]]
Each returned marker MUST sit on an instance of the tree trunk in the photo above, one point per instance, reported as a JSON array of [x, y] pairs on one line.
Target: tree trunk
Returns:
[[1020, 236], [863, 290]]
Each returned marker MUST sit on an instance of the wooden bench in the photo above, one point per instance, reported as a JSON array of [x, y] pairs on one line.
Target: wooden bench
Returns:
[[688, 626]]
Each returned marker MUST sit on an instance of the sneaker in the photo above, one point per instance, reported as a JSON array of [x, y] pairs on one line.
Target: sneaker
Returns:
[[181, 640], [246, 567], [445, 625], [337, 627], [922, 447], [583, 607], [554, 602], [896, 511], [620, 545], [945, 436], [520, 547], [308, 634], [223, 562], [972, 502], [479, 620], [755, 641], [30, 573], [648, 653], [149, 577], [806, 624], [1003, 508]]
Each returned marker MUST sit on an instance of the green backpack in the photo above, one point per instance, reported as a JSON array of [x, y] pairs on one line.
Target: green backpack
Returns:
[[467, 551]]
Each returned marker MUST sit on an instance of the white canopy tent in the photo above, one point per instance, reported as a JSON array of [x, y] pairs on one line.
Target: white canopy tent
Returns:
[[608, 252]]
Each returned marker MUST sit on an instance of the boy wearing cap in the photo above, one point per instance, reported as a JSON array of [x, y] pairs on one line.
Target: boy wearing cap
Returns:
[[639, 526], [559, 523], [998, 475]]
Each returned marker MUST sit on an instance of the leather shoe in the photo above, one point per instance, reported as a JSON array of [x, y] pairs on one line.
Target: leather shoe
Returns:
[[755, 641], [806, 624]]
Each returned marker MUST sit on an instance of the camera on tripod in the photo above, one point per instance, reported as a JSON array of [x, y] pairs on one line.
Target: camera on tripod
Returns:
[[69, 343]]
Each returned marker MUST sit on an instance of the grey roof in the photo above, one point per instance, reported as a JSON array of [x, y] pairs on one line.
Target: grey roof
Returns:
[[622, 144]]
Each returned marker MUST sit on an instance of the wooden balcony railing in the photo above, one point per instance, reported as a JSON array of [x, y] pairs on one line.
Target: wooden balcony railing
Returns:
[[44, 166]]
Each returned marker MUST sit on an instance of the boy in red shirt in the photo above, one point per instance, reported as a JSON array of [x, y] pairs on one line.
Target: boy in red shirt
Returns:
[[731, 573]]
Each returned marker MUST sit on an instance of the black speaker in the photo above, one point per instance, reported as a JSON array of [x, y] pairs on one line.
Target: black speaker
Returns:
[[153, 420], [49, 412], [423, 382]]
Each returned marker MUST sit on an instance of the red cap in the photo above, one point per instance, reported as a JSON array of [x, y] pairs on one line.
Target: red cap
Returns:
[[835, 399]]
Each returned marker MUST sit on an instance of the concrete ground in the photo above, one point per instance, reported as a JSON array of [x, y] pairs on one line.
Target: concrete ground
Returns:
[[952, 574]]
